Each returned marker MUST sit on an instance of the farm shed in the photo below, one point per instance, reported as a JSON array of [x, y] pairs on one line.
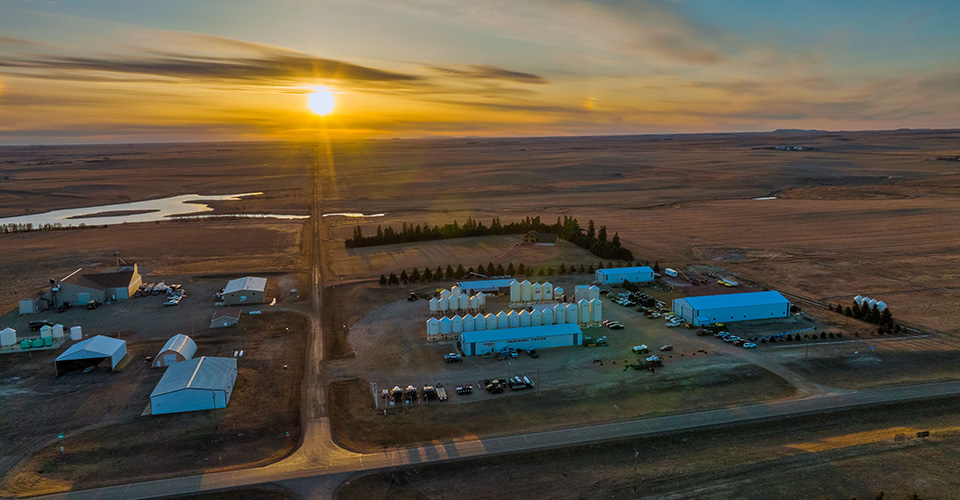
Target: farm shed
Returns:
[[91, 352], [617, 275], [486, 286], [203, 383], [179, 348], [732, 307], [481, 342], [81, 288], [248, 290], [228, 316]]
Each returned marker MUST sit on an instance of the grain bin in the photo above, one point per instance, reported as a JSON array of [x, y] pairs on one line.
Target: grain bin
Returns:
[[46, 331], [559, 314], [515, 290], [433, 328], [581, 292], [858, 298], [443, 305], [536, 292], [469, 323], [456, 290], [525, 291], [446, 326], [596, 308], [480, 322], [434, 304], [547, 291], [502, 320], [58, 331], [475, 303], [872, 303], [76, 333], [483, 299], [547, 316], [881, 305], [594, 293], [571, 313], [8, 337], [583, 308], [493, 321], [524, 318], [557, 293], [464, 302], [536, 318], [864, 299], [444, 294], [456, 324], [513, 319]]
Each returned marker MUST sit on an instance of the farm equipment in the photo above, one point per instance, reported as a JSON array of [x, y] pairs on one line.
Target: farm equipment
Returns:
[[441, 393], [465, 389], [594, 342], [646, 364], [494, 386], [517, 383], [396, 394], [429, 393], [412, 297], [412, 393]]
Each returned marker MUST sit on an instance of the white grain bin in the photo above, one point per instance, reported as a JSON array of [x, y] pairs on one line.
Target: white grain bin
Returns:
[[557, 293], [571, 313], [58, 331], [8, 337], [596, 311], [444, 294], [493, 321], [464, 302], [480, 322], [443, 305], [456, 290], [526, 292], [456, 324], [858, 298], [434, 304], [547, 291], [433, 329], [76, 333], [872, 303], [863, 299], [547, 316], [483, 298], [502, 320], [475, 303], [513, 319], [881, 305], [524, 318], [46, 331], [559, 314], [594, 293], [536, 292], [446, 326], [583, 308], [515, 289], [536, 318]]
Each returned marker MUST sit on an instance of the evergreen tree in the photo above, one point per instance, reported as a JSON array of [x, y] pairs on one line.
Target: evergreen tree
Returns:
[[583, 270], [460, 272], [427, 274], [393, 279], [450, 272], [415, 275], [590, 269], [549, 271], [510, 269], [591, 231], [656, 266], [542, 272], [492, 271], [522, 269], [481, 269], [616, 239], [848, 312], [500, 270], [383, 280], [404, 277], [438, 274], [563, 268], [886, 317], [602, 235], [470, 271]]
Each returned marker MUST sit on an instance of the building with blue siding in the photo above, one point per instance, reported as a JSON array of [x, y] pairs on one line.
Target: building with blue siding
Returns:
[[730, 308]]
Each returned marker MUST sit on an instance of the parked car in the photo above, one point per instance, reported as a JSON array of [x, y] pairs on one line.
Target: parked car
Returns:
[[616, 326], [667, 347], [452, 357], [749, 345]]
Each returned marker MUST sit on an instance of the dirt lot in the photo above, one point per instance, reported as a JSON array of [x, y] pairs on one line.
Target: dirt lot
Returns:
[[107, 441], [835, 456]]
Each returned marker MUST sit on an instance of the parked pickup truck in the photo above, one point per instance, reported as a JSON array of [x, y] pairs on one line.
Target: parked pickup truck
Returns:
[[452, 357]]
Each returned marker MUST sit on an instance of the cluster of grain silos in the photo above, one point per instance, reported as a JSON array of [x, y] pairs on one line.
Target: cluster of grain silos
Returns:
[[454, 301], [863, 300], [583, 313], [524, 292], [586, 292]]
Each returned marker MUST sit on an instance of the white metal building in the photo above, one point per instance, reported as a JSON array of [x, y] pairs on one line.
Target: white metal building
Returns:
[[91, 352], [228, 316], [732, 307], [203, 383], [486, 286], [617, 275], [179, 348], [477, 343], [248, 290]]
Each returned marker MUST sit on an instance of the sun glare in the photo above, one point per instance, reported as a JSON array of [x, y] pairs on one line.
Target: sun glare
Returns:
[[321, 101]]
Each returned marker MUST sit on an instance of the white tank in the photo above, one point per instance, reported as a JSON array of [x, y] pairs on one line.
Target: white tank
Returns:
[[596, 308], [547, 316], [583, 307], [547, 291], [444, 294], [443, 305], [8, 337], [515, 291], [464, 302], [559, 314], [456, 324], [594, 293], [474, 303], [571, 313], [513, 319], [493, 321], [482, 297], [58, 331], [502, 320], [433, 327], [536, 318], [525, 291], [446, 326], [76, 333], [480, 322], [46, 331], [864, 299], [557, 293], [872, 303], [581, 292], [456, 290], [536, 292], [881, 305], [858, 298], [433, 305], [524, 318]]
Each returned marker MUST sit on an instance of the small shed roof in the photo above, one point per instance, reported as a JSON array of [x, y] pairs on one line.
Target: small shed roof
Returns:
[[94, 347], [227, 312], [182, 344], [736, 300], [246, 283], [99, 281], [520, 332], [205, 372]]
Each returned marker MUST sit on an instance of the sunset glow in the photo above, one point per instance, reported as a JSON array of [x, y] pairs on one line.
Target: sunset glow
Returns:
[[321, 101]]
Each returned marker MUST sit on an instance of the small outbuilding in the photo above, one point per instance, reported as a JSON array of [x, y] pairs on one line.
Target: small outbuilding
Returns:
[[228, 316], [202, 383], [91, 352], [535, 238], [179, 348], [248, 290]]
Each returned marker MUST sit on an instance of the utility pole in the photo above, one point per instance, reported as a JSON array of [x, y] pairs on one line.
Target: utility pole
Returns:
[[636, 460]]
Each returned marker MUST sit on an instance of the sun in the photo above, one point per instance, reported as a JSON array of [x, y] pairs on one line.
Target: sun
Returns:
[[321, 101]]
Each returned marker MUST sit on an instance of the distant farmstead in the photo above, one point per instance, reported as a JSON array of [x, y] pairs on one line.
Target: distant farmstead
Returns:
[[248, 290], [535, 238]]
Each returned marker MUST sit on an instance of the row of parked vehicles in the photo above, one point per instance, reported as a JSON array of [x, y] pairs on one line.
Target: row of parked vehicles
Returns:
[[735, 340], [155, 289]]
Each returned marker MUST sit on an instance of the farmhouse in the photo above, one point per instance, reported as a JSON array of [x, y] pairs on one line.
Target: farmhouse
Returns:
[[733, 307], [179, 348], [198, 384], [535, 238], [248, 290], [228, 316], [91, 352], [617, 275], [81, 288], [481, 342]]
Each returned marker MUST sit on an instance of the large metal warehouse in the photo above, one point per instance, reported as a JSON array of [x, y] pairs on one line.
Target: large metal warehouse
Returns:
[[486, 286], [179, 348], [79, 289], [481, 342], [248, 290], [616, 275], [203, 383], [91, 352], [732, 307]]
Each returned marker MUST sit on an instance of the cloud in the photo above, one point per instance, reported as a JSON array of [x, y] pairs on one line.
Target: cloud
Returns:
[[488, 71], [6, 40]]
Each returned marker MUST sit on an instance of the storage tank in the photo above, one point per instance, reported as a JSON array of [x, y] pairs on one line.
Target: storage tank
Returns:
[[433, 327], [583, 308], [547, 316], [443, 305], [75, 333], [47, 341], [872, 303], [596, 311], [456, 290], [464, 302], [881, 305], [444, 294], [524, 318], [502, 321], [8, 337], [858, 298], [493, 321], [483, 299], [46, 331], [536, 292], [480, 322], [557, 293], [526, 292], [25, 344], [581, 292], [434, 304], [37, 343], [58, 331], [456, 324], [515, 291], [474, 303], [547, 291], [446, 326], [513, 319], [594, 292], [571, 313], [536, 318], [863, 299], [559, 314]]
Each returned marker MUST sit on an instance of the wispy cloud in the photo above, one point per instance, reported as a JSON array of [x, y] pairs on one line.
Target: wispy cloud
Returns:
[[487, 71]]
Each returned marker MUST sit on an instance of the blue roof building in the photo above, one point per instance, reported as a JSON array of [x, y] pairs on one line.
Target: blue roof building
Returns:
[[732, 307]]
